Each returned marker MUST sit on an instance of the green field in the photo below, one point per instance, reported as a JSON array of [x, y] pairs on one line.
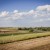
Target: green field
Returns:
[[14, 38]]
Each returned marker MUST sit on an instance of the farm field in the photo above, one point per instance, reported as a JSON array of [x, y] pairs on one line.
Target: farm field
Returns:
[[24, 38], [42, 43], [14, 38]]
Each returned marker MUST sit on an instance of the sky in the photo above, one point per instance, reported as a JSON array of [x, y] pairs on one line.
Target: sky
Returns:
[[24, 13]]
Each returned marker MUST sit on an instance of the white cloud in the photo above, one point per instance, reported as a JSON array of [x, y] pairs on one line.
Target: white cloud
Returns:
[[41, 8], [42, 11], [42, 20], [48, 18], [31, 12], [44, 7], [39, 20], [4, 14], [39, 12], [15, 11]]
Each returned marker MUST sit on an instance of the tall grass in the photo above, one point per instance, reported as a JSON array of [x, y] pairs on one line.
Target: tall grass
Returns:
[[13, 38]]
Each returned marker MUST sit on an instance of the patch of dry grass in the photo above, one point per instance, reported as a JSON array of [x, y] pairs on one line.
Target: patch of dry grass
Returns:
[[13, 38]]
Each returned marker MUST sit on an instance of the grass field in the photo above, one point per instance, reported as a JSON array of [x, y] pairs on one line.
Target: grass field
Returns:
[[13, 38]]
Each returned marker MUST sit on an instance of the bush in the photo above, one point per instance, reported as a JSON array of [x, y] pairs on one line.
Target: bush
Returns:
[[31, 30], [19, 28]]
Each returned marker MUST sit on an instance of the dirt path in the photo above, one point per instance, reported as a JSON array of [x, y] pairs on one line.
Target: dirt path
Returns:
[[27, 44]]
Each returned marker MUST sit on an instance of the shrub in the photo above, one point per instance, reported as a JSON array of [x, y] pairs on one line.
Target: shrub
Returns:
[[31, 30]]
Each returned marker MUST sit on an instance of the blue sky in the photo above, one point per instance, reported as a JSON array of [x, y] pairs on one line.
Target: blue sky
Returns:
[[24, 13], [22, 5]]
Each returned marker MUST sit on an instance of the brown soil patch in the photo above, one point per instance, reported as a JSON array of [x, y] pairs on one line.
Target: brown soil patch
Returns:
[[31, 44]]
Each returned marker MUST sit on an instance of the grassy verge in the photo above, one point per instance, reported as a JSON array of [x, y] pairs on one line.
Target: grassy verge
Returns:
[[13, 38]]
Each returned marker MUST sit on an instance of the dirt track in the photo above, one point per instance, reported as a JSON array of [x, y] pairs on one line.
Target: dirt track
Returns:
[[28, 44]]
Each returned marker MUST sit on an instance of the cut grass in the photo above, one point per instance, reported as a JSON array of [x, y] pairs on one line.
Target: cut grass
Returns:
[[13, 38]]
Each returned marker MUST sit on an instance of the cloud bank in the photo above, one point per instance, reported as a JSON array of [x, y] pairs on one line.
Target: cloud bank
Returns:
[[39, 14], [40, 11]]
